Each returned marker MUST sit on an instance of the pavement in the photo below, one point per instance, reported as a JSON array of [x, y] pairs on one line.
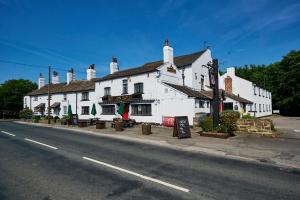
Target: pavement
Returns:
[[40, 162]]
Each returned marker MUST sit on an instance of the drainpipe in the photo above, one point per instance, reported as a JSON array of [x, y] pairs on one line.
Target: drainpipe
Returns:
[[76, 104]]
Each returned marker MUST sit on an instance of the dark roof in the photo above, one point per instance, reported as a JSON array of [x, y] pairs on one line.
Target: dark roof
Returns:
[[55, 105], [41, 105], [189, 91], [180, 61], [228, 94], [73, 86]]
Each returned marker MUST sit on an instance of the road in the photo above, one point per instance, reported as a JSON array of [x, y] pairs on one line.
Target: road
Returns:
[[50, 164], [290, 126]]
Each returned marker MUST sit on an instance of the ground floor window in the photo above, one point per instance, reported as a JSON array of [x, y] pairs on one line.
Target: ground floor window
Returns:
[[228, 106], [141, 109], [85, 110], [108, 109]]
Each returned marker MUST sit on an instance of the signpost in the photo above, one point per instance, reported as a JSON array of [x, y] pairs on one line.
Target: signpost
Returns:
[[181, 127]]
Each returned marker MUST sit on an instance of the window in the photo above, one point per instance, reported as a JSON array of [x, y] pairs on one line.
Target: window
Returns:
[[195, 76], [202, 82], [201, 104], [139, 88], [141, 109], [258, 91], [259, 107], [263, 93], [107, 91], [255, 107], [263, 107], [35, 98], [125, 86], [108, 109], [207, 104], [85, 96], [254, 89], [65, 97], [85, 110], [65, 109]]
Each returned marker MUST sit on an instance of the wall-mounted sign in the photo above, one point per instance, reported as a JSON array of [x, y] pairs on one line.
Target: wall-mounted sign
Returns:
[[171, 69]]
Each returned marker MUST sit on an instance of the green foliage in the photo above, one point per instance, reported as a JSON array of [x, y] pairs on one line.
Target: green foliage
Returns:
[[11, 96], [228, 122], [231, 112], [281, 78], [25, 113], [207, 124], [248, 117], [37, 119]]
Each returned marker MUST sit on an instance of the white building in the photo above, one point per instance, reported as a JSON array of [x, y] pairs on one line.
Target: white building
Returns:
[[173, 86], [261, 98]]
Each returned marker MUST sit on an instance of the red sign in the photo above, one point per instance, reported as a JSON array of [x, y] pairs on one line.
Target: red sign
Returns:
[[168, 121]]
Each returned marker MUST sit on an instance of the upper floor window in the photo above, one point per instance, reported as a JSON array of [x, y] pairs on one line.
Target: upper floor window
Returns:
[[125, 86], [107, 91], [196, 76], [259, 91], [263, 93], [202, 82], [259, 107], [65, 97], [138, 88], [254, 89], [85, 96]]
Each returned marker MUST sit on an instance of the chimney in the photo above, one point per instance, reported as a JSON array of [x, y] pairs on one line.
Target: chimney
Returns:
[[168, 53], [114, 65], [70, 75], [91, 72], [231, 71], [228, 84], [41, 81], [55, 78]]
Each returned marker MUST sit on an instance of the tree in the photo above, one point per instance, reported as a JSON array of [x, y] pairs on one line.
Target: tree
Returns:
[[11, 96], [281, 78]]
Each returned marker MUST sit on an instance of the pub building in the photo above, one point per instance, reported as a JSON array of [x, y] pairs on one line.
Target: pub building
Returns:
[[153, 92]]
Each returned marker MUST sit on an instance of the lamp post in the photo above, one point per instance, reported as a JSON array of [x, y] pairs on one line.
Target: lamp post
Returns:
[[213, 69]]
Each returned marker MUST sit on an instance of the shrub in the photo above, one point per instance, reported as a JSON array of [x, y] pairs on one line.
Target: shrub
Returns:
[[235, 113], [25, 113], [207, 124], [56, 117], [37, 119], [228, 121], [247, 117]]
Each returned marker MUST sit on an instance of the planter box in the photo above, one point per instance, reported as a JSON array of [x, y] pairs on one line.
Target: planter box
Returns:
[[82, 124], [146, 129], [216, 135], [119, 126], [100, 125]]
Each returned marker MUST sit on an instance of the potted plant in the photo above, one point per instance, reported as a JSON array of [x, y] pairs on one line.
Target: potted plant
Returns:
[[146, 129], [119, 125]]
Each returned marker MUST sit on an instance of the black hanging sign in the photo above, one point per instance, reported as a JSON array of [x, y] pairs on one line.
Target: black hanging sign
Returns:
[[74, 119], [181, 127]]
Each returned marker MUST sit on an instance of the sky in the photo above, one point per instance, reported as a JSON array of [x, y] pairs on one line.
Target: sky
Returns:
[[73, 33]]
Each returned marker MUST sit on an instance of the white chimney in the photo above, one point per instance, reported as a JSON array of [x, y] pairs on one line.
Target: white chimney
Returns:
[[41, 81], [168, 53], [55, 78], [70, 75], [114, 65], [231, 71], [91, 72]]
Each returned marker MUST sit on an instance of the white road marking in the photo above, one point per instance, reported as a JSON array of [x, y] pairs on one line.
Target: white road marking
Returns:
[[297, 130], [7, 133], [138, 175], [46, 145]]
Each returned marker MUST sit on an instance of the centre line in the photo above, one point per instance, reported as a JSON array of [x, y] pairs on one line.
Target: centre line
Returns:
[[7, 133], [46, 145], [138, 175]]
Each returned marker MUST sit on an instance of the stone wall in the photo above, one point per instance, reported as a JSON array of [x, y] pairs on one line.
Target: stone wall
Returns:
[[258, 126]]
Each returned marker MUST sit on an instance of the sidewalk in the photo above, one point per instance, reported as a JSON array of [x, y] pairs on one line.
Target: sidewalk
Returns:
[[282, 152]]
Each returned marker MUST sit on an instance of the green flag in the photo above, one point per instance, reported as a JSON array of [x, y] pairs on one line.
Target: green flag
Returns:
[[69, 111], [121, 108], [94, 112]]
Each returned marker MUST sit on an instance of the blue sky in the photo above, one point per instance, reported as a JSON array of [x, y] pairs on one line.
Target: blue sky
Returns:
[[77, 33]]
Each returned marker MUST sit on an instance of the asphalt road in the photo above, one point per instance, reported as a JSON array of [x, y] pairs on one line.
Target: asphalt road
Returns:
[[82, 166]]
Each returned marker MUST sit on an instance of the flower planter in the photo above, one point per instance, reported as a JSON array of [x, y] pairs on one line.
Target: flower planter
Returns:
[[146, 129], [100, 125], [119, 126]]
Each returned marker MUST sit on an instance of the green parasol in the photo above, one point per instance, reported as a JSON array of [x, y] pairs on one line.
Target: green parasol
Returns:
[[121, 108], [69, 111], [94, 112]]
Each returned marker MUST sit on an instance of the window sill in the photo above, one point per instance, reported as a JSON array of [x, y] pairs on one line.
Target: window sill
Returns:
[[107, 113], [84, 99], [141, 115]]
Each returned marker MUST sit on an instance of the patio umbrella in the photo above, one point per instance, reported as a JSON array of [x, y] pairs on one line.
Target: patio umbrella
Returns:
[[94, 112], [121, 108], [69, 111]]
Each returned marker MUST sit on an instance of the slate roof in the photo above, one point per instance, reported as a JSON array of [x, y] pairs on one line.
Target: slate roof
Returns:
[[229, 95], [180, 61], [189, 91], [73, 86]]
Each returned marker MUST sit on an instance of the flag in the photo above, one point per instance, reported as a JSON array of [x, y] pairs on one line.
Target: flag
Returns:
[[121, 108]]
